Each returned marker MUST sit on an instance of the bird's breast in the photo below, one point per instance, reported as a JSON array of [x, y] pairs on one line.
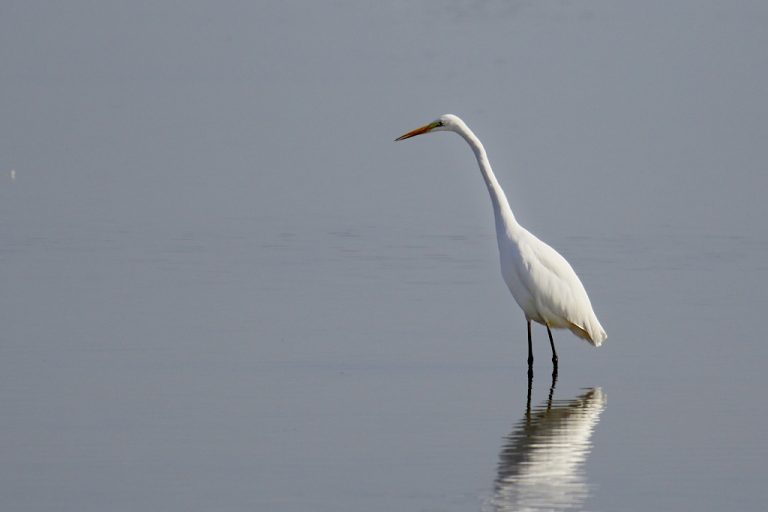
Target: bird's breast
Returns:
[[511, 266]]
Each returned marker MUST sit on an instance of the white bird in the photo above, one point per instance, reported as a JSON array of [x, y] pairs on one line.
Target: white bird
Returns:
[[542, 282]]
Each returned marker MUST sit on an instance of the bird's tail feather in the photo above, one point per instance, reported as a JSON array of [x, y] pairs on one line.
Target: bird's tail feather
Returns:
[[593, 332]]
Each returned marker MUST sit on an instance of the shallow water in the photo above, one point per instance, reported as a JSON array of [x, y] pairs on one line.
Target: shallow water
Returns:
[[224, 287]]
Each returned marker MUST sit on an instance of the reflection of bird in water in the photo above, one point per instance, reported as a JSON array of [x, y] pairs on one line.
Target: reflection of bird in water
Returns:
[[541, 462]]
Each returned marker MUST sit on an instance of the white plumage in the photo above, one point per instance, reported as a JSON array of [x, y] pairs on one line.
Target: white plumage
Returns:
[[545, 286], [542, 282]]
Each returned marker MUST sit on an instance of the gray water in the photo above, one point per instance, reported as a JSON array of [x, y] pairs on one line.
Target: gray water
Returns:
[[224, 287]]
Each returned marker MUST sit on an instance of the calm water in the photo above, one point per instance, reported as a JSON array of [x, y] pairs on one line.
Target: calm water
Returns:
[[224, 287]]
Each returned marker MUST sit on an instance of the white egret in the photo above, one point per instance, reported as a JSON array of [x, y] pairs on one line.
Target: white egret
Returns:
[[542, 282]]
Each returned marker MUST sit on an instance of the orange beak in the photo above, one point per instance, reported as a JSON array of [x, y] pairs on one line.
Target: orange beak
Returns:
[[418, 131]]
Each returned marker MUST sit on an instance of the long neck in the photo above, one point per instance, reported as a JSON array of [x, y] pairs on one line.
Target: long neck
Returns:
[[505, 219]]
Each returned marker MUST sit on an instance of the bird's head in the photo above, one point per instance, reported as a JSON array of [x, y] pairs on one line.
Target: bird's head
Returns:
[[446, 122]]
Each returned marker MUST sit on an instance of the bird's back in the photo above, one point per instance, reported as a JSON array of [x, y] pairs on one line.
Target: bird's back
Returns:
[[545, 286]]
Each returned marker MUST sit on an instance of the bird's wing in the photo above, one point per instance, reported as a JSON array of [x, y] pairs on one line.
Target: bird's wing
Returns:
[[559, 295]]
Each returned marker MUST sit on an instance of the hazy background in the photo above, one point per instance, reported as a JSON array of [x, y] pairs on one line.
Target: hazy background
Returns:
[[224, 287]]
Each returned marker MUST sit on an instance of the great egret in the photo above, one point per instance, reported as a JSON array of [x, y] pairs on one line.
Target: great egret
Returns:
[[542, 282]]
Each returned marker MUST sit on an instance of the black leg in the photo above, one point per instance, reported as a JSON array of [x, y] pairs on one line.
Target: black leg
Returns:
[[554, 352], [530, 350], [552, 389], [528, 401]]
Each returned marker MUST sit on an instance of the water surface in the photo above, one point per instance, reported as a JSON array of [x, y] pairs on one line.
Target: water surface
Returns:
[[224, 287]]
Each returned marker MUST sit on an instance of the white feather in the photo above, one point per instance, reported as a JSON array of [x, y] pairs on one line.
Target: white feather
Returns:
[[542, 282]]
